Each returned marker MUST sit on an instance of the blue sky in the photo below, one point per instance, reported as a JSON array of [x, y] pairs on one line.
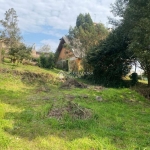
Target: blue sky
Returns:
[[46, 21]]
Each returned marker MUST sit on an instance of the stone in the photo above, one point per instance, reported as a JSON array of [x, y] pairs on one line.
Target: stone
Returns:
[[99, 99], [85, 96]]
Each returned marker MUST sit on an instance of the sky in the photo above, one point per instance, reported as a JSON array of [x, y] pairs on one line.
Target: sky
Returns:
[[46, 21]]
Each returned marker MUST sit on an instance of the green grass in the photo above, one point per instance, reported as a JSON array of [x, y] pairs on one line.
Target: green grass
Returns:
[[22, 68], [143, 81], [120, 122]]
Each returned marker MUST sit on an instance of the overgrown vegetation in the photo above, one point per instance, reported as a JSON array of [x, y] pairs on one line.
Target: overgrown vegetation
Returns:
[[46, 60], [126, 44], [42, 115], [40, 109], [110, 59]]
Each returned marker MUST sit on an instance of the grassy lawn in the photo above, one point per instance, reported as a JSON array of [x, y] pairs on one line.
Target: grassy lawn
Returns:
[[121, 121]]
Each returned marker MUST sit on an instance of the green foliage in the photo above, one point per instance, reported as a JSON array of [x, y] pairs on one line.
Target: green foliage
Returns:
[[2, 55], [2, 112], [119, 122], [47, 61], [86, 35], [10, 30], [20, 52], [84, 21], [110, 59], [136, 21], [80, 20]]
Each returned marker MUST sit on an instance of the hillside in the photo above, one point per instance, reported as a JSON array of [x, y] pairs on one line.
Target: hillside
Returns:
[[37, 113]]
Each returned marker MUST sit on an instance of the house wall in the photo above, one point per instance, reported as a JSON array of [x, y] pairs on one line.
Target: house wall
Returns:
[[74, 64], [65, 54], [79, 64]]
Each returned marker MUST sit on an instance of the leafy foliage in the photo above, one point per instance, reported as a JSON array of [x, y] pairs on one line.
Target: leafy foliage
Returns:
[[10, 29], [134, 78], [85, 35], [20, 52], [47, 60], [136, 21], [110, 59]]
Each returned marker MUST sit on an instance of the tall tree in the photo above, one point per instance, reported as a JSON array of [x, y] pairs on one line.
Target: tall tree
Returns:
[[136, 21], [80, 20], [10, 29], [110, 59], [86, 34]]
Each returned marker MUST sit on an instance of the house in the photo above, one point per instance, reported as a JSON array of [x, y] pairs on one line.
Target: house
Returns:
[[68, 58]]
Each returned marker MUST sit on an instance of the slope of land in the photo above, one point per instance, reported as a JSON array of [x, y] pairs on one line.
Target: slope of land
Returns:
[[36, 112]]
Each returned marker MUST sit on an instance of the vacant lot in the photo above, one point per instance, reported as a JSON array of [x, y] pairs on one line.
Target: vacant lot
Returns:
[[37, 113]]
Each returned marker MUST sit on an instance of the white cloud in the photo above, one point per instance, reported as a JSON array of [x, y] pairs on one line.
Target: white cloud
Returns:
[[53, 16], [33, 15]]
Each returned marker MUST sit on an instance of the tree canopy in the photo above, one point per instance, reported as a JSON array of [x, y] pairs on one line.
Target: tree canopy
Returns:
[[110, 59], [86, 34], [129, 41], [10, 32], [10, 28]]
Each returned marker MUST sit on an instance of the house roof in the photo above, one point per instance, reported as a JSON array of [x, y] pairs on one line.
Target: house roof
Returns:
[[64, 40]]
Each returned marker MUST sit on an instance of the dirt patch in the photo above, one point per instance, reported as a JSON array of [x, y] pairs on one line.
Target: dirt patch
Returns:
[[98, 88], [70, 97], [71, 83], [29, 77], [73, 110], [43, 88]]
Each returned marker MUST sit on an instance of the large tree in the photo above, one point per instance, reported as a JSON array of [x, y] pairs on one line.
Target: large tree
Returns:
[[10, 33], [85, 35], [136, 21], [87, 32], [10, 30], [110, 59]]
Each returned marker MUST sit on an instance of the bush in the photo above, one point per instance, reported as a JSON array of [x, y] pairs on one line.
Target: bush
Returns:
[[47, 61]]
